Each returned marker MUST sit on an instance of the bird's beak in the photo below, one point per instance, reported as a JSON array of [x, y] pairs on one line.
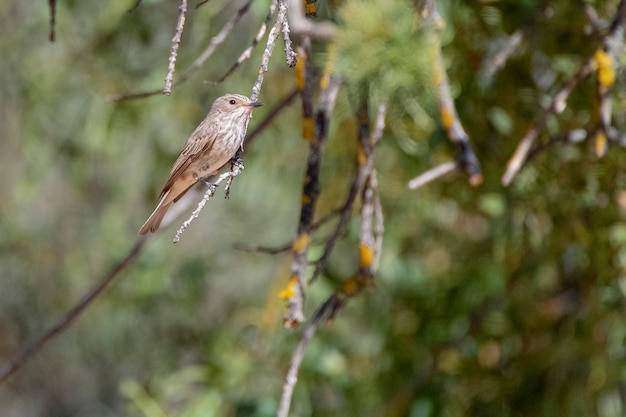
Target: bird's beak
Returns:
[[255, 104]]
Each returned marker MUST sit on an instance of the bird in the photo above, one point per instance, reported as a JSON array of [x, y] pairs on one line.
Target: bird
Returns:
[[210, 147]]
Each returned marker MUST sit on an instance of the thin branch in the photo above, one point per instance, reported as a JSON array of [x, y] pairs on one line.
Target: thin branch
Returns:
[[271, 250], [52, 6], [370, 247], [17, 361], [215, 42], [269, 47], [248, 51], [303, 27], [198, 62], [367, 144], [432, 174], [466, 158], [180, 25], [236, 169], [557, 106], [298, 354], [494, 62], [290, 55], [613, 38], [294, 294]]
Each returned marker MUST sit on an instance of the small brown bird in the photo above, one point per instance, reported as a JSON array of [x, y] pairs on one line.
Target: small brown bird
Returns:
[[214, 142]]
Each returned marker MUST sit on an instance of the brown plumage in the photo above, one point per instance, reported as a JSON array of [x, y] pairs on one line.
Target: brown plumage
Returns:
[[214, 142]]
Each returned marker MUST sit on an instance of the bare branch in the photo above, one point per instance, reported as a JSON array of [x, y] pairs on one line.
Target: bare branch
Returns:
[[559, 102], [18, 360], [198, 62], [215, 42], [248, 51], [294, 293], [367, 144], [269, 47], [52, 6], [466, 158], [291, 56], [298, 354], [432, 174], [494, 62], [301, 26], [182, 11], [236, 169]]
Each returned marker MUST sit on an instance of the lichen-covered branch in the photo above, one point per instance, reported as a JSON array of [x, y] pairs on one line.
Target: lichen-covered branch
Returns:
[[180, 26], [293, 294], [602, 61]]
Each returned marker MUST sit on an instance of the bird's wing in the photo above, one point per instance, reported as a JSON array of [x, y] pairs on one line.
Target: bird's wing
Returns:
[[200, 141]]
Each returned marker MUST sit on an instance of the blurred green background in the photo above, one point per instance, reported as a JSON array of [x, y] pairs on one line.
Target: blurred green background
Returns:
[[489, 301]]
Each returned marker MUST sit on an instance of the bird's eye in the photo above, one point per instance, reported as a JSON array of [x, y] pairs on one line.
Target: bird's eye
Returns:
[[232, 101]]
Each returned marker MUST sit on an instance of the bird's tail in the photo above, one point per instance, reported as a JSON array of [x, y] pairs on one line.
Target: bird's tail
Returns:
[[155, 219]]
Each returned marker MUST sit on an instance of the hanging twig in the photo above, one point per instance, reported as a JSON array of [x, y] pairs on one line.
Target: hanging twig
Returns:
[[432, 174], [180, 25], [198, 62], [248, 51], [367, 144], [466, 158], [290, 55], [293, 294], [135, 6]]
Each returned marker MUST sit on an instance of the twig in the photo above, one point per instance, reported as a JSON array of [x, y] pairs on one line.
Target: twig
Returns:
[[466, 158], [559, 102], [269, 47], [370, 248], [262, 249], [290, 55], [294, 293], [432, 174], [304, 80], [52, 5], [17, 361], [182, 11], [298, 353], [215, 42], [198, 62], [248, 51], [367, 144], [236, 169], [303, 27], [202, 3], [493, 63], [557, 106]]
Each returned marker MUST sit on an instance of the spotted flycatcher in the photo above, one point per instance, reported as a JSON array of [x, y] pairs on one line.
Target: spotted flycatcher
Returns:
[[214, 142]]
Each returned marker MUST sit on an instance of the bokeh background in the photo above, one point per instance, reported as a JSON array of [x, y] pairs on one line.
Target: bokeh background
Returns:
[[489, 301]]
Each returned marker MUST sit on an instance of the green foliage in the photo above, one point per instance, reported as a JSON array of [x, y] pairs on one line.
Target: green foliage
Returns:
[[384, 50]]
